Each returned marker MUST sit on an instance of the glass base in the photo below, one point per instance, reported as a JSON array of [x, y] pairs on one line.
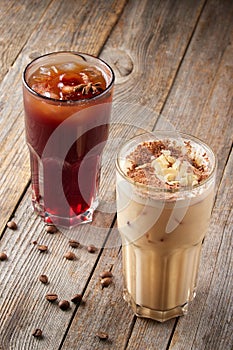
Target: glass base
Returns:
[[158, 315], [66, 222]]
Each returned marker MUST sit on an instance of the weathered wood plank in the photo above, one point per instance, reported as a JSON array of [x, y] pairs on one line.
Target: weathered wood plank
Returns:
[[35, 305], [17, 20], [200, 101], [105, 309], [146, 54], [56, 30], [22, 299], [23, 295]]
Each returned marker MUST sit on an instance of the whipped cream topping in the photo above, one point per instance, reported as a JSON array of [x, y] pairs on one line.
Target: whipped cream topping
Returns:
[[168, 164]]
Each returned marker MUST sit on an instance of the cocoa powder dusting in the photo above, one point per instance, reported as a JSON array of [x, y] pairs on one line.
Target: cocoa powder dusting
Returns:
[[144, 151], [141, 170], [142, 156]]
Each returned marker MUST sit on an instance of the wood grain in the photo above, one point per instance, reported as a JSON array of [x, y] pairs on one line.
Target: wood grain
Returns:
[[22, 294], [24, 16], [146, 54], [169, 57], [111, 313], [200, 101]]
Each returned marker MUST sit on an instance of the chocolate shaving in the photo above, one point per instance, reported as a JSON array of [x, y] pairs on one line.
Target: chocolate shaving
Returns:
[[141, 171], [144, 151]]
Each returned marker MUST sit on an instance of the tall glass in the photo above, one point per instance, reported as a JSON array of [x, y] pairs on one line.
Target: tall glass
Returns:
[[67, 103], [162, 233]]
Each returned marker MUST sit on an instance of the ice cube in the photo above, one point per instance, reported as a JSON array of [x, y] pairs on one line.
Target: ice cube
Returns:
[[68, 66], [41, 78], [39, 88], [43, 90], [92, 73], [46, 93], [45, 71]]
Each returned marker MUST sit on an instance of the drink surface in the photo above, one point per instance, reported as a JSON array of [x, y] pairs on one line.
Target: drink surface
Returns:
[[164, 203], [68, 81], [167, 164], [67, 123]]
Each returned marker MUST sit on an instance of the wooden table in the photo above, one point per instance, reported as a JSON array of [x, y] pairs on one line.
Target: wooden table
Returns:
[[173, 62]]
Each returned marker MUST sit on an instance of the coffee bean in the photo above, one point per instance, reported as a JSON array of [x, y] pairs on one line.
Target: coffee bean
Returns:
[[70, 256], [73, 243], [102, 335], [51, 229], [34, 242], [42, 248], [91, 248], [105, 282], [77, 298], [51, 297], [12, 225], [3, 256], [37, 333], [64, 305], [43, 279], [106, 274]]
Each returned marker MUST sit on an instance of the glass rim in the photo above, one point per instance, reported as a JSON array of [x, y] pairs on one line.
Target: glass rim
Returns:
[[68, 102], [160, 189]]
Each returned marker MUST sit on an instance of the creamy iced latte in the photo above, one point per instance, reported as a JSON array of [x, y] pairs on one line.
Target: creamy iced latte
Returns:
[[165, 190]]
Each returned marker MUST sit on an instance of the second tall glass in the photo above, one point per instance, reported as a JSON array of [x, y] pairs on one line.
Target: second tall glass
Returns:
[[163, 224]]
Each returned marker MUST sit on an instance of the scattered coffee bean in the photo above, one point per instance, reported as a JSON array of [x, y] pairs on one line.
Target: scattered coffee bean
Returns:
[[37, 333], [73, 243], [43, 279], [106, 274], [70, 256], [12, 225], [91, 248], [77, 298], [102, 335], [51, 229], [3, 256], [34, 242], [42, 248], [105, 282], [64, 305], [51, 297]]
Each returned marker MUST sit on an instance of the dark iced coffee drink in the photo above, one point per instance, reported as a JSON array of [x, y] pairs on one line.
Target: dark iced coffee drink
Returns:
[[67, 104], [165, 190]]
